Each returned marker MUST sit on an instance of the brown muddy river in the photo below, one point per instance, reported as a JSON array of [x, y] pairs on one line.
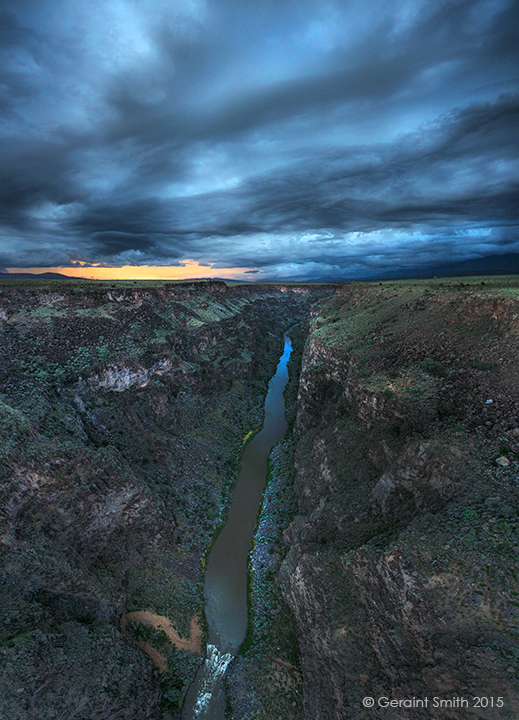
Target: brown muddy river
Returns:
[[225, 587]]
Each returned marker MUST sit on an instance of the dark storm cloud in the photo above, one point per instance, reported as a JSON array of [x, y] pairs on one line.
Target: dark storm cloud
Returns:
[[372, 68], [14, 84], [300, 138], [32, 173], [11, 32], [362, 188]]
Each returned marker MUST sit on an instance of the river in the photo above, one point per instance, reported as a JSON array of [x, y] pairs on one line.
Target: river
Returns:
[[225, 585]]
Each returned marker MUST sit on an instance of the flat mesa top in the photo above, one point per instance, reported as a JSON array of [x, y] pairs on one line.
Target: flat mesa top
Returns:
[[471, 283]]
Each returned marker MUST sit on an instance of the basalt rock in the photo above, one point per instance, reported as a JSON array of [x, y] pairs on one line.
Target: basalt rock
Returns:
[[399, 565], [122, 412]]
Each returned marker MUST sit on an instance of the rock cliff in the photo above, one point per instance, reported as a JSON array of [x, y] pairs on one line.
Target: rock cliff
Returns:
[[401, 564], [122, 412]]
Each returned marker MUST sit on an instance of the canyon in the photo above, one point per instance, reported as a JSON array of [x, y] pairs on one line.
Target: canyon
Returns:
[[384, 562]]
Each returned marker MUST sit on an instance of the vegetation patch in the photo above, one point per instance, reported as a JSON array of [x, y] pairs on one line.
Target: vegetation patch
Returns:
[[432, 367]]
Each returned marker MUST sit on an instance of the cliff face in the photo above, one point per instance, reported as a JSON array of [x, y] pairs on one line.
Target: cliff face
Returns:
[[401, 562], [122, 412]]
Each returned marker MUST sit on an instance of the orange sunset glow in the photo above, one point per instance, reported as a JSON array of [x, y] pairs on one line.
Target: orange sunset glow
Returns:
[[190, 269]]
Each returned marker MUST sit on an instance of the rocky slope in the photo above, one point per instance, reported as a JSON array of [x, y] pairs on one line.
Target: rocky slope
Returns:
[[402, 559], [122, 412]]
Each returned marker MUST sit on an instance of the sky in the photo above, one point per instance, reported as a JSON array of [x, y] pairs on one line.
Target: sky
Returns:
[[257, 139]]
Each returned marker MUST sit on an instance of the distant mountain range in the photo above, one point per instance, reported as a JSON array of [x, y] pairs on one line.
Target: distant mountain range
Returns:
[[506, 264], [45, 276]]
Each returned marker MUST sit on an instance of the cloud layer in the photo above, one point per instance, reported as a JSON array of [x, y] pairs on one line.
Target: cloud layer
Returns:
[[299, 139]]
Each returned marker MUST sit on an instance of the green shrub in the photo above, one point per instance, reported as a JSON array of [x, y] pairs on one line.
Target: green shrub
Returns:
[[432, 367], [458, 427], [104, 354], [20, 640], [504, 447], [470, 538], [431, 414], [483, 365], [445, 407]]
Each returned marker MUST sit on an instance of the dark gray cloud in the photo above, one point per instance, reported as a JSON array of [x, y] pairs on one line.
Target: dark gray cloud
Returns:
[[293, 138]]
